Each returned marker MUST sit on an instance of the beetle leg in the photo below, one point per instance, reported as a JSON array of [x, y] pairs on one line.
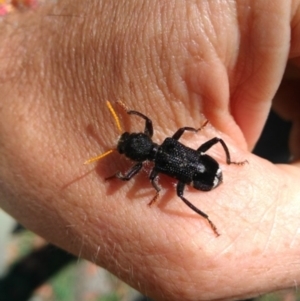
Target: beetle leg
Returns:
[[180, 189], [129, 174], [180, 131], [207, 145], [148, 122], [153, 178]]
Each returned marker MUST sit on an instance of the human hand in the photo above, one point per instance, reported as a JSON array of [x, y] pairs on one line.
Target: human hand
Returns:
[[173, 62]]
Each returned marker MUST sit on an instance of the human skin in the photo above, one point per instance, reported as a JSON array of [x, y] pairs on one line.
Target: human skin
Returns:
[[177, 62]]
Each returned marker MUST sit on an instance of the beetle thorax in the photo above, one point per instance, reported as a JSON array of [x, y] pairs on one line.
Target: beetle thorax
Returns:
[[136, 146]]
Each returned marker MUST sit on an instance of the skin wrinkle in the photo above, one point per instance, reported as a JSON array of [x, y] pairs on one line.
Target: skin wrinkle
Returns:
[[271, 230], [278, 211], [164, 78]]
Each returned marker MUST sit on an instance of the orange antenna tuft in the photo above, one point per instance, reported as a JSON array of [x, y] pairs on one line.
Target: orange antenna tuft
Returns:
[[118, 124], [98, 157], [115, 116]]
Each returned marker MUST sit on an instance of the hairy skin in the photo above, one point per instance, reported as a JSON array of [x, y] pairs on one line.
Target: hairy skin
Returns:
[[173, 61]]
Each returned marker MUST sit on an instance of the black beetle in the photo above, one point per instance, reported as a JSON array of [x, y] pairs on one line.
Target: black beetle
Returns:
[[188, 166]]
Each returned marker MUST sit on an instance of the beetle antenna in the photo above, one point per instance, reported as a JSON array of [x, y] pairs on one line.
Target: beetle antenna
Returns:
[[115, 116], [99, 157], [123, 106], [118, 124]]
